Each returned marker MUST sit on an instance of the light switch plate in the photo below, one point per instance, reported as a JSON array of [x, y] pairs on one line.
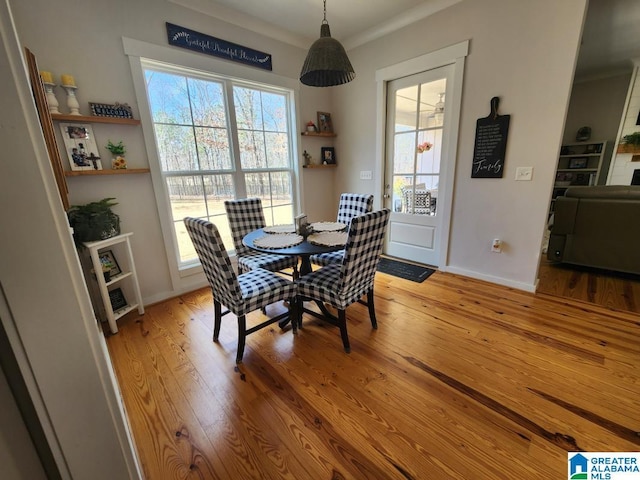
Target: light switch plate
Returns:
[[524, 173], [366, 175]]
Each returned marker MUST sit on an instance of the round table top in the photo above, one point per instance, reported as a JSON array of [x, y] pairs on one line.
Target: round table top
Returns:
[[303, 249]]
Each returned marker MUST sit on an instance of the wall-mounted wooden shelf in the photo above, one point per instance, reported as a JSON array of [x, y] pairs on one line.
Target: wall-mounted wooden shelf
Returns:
[[93, 119], [317, 134], [333, 165], [626, 148], [86, 173]]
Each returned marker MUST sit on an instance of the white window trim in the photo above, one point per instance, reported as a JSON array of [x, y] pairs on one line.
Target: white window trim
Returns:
[[451, 55], [185, 279]]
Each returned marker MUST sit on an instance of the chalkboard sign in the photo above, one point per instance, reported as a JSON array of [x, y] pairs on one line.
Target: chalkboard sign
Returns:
[[491, 144]]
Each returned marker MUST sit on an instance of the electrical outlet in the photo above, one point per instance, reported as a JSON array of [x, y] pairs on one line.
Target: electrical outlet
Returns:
[[496, 246], [366, 175]]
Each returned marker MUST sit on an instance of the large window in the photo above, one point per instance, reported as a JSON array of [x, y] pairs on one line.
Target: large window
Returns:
[[219, 139]]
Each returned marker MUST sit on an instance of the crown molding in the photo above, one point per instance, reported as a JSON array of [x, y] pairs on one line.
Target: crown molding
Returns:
[[408, 17], [245, 21]]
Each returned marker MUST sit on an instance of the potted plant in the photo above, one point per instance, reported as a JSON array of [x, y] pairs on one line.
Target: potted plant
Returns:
[[632, 139], [311, 127], [117, 150], [93, 221]]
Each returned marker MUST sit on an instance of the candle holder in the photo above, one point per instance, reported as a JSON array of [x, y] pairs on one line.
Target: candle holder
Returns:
[[52, 101], [72, 101]]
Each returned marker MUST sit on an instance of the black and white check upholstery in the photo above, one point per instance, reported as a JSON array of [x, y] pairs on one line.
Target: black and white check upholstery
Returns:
[[351, 205], [416, 201], [340, 285], [245, 216], [241, 294]]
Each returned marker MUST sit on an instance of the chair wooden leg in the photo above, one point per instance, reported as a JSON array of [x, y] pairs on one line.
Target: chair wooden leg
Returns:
[[372, 310], [217, 319], [342, 323], [242, 336], [293, 314]]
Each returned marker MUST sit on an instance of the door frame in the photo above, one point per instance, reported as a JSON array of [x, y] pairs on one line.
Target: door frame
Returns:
[[451, 55]]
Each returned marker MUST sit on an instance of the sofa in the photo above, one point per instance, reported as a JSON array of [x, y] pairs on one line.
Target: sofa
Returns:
[[597, 226]]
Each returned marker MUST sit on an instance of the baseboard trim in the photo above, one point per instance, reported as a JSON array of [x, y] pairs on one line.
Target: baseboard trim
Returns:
[[527, 287]]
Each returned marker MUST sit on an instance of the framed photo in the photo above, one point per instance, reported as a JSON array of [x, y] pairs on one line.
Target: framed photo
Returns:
[[81, 147], [578, 162], [328, 155], [107, 259], [117, 299], [324, 122]]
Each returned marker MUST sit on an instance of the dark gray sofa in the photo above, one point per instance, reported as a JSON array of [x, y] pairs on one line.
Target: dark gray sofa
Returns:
[[597, 226]]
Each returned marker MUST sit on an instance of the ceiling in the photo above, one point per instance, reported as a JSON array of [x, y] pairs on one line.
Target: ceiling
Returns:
[[611, 35]]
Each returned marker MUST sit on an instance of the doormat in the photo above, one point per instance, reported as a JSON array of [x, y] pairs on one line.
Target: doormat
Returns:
[[415, 273]]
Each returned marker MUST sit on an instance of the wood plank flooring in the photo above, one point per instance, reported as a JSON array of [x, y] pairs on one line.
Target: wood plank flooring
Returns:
[[620, 291], [462, 380]]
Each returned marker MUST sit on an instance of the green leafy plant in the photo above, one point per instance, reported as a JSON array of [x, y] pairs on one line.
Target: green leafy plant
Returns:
[[632, 139], [116, 148], [94, 221]]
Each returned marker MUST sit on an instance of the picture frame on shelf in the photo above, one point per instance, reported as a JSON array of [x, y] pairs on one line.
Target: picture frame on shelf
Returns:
[[578, 162], [328, 155], [324, 122], [591, 148], [108, 260], [81, 146], [117, 299]]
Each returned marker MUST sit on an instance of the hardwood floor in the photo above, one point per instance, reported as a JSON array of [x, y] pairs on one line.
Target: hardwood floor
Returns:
[[620, 291], [462, 380]]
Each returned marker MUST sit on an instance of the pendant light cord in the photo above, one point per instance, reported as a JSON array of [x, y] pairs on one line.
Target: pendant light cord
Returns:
[[325, 12]]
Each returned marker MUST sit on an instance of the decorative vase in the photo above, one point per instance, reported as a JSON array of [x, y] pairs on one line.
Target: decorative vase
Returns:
[[119, 163], [52, 101], [72, 101]]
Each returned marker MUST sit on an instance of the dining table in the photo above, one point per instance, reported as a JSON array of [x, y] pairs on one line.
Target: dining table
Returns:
[[304, 249], [307, 247]]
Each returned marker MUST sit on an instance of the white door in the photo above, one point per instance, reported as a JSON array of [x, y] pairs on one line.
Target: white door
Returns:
[[416, 138]]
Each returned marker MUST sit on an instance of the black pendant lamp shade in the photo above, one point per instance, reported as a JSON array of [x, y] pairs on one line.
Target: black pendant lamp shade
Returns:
[[327, 63]]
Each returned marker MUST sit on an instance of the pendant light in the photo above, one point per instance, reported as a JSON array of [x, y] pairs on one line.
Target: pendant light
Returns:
[[327, 63]]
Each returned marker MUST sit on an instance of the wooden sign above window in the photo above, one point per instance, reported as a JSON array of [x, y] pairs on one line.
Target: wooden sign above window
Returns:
[[199, 42]]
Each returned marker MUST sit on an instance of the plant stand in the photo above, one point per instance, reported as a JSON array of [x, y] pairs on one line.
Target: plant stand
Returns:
[[128, 278]]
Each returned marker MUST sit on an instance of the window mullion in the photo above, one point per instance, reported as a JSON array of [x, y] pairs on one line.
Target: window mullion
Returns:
[[238, 176]]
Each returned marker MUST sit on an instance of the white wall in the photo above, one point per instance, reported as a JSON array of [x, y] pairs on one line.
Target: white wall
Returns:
[[44, 305], [597, 103], [85, 40], [622, 167], [18, 456], [522, 52]]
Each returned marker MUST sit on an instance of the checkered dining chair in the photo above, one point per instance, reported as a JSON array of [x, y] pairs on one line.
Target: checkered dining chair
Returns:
[[351, 205], [341, 284], [241, 294], [245, 216]]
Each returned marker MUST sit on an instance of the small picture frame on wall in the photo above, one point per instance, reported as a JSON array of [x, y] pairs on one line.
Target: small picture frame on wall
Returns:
[[81, 147], [324, 122], [328, 155], [578, 162]]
